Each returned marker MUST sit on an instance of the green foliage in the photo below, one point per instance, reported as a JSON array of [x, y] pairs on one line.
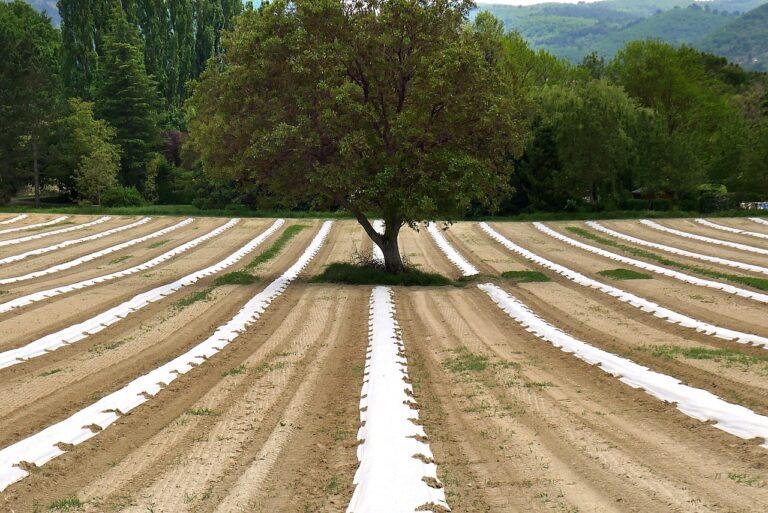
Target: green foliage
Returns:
[[353, 274], [235, 278], [743, 41], [195, 297], [97, 173], [126, 98], [29, 86], [120, 196], [362, 118], [624, 274], [66, 504], [276, 246], [525, 276]]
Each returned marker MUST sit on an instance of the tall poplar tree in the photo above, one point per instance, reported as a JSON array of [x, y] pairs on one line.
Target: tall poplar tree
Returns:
[[126, 97]]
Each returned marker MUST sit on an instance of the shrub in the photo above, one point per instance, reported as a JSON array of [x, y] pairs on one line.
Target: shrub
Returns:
[[122, 197]]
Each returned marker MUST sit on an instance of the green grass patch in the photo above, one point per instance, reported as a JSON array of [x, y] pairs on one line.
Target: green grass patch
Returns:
[[539, 385], [203, 412], [234, 371], [3, 292], [200, 295], [51, 372], [353, 274], [276, 247], [120, 259], [466, 361], [725, 355], [235, 278], [159, 244], [333, 485], [744, 479], [525, 276], [758, 283], [103, 348], [67, 504], [624, 274]]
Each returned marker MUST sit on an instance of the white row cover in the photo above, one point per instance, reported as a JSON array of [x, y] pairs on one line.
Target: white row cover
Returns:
[[14, 219], [100, 322], [36, 236], [42, 447], [638, 302], [64, 289], [390, 478], [731, 229], [72, 242], [378, 256], [693, 280], [98, 254], [677, 251], [29, 226], [759, 220], [710, 240], [459, 261], [694, 402]]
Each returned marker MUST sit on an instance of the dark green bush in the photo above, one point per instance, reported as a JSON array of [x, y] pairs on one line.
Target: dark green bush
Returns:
[[122, 197]]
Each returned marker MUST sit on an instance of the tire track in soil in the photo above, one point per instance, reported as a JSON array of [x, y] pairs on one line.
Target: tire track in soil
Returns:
[[542, 431], [37, 397]]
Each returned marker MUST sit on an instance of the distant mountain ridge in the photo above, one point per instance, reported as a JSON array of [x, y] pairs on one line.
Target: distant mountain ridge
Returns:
[[572, 31]]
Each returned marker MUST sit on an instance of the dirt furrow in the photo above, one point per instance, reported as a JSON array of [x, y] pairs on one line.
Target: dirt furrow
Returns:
[[689, 225], [537, 430]]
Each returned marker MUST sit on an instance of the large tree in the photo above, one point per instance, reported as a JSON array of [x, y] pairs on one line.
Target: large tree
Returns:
[[29, 86], [396, 108], [126, 97]]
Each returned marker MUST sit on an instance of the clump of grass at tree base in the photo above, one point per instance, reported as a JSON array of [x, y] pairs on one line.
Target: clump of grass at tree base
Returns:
[[525, 276], [758, 283], [359, 274], [624, 274]]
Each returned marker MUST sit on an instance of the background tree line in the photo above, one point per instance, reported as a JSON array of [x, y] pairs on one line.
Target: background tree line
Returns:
[[102, 95], [99, 110]]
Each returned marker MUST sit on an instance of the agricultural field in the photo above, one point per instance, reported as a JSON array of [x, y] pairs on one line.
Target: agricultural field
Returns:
[[159, 364]]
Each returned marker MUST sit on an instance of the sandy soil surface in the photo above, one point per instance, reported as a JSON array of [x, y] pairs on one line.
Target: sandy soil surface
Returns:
[[39, 262], [640, 231], [269, 424]]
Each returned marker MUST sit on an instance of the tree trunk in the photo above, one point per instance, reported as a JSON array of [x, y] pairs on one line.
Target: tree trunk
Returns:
[[36, 172], [393, 263]]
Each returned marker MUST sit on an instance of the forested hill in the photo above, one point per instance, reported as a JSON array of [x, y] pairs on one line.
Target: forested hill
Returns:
[[572, 31], [744, 41]]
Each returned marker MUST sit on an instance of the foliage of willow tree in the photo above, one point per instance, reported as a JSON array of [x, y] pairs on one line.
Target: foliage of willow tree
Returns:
[[396, 108], [126, 98], [29, 82]]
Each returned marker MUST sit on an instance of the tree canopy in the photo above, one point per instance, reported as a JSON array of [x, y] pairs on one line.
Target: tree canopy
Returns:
[[395, 108]]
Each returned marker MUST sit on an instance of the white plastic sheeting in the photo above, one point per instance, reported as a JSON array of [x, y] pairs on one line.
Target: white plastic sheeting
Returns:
[[693, 280], [677, 251], [731, 229], [36, 236], [694, 402], [378, 256], [100, 322], [64, 289], [95, 255], [72, 242], [14, 219], [638, 302], [710, 240], [38, 225], [459, 261], [759, 220], [42, 447], [390, 478]]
